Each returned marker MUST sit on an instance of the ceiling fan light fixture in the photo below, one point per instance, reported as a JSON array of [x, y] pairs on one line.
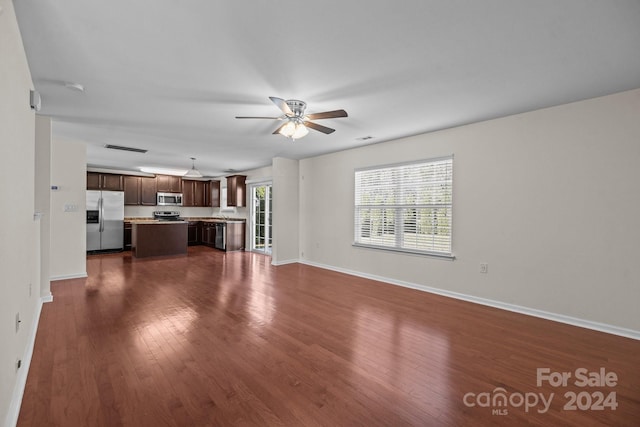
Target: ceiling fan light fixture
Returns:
[[297, 123], [301, 130], [288, 129], [193, 172], [294, 129]]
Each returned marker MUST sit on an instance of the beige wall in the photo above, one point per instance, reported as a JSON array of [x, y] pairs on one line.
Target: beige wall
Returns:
[[259, 174], [550, 199], [285, 210], [19, 232], [68, 229], [43, 198]]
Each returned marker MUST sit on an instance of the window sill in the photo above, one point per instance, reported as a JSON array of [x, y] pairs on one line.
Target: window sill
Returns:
[[448, 257]]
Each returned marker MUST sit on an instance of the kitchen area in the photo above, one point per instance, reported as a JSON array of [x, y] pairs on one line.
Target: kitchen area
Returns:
[[162, 215]]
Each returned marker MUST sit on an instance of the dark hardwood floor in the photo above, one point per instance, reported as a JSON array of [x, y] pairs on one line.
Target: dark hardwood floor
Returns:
[[225, 339]]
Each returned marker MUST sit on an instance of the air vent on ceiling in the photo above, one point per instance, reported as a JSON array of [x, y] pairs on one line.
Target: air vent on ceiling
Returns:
[[119, 147]]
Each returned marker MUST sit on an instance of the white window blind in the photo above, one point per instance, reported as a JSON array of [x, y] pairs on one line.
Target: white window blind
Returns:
[[405, 207]]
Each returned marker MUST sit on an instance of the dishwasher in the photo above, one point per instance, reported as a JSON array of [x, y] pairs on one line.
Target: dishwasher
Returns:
[[221, 236]]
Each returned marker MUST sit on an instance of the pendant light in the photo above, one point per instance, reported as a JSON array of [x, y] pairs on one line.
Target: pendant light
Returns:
[[193, 172]]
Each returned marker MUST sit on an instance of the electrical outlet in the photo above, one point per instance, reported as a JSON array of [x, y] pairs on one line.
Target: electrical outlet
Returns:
[[18, 322], [484, 267]]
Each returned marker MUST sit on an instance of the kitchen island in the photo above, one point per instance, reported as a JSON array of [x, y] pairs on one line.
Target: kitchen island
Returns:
[[158, 238], [200, 231]]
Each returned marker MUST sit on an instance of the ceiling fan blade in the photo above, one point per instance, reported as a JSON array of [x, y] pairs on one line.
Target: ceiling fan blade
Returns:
[[319, 128], [282, 104], [277, 131], [246, 117], [327, 115]]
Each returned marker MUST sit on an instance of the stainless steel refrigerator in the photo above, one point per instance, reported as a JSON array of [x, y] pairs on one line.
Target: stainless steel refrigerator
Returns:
[[105, 220]]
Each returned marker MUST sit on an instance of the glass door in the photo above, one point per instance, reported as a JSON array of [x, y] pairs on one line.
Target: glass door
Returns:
[[261, 195]]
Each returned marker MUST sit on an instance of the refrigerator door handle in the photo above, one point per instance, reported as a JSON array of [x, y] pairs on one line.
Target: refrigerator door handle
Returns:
[[101, 203]]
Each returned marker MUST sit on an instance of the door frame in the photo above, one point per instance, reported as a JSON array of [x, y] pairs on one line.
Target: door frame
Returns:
[[252, 217]]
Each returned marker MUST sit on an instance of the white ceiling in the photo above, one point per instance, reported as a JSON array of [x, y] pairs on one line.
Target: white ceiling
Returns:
[[170, 76]]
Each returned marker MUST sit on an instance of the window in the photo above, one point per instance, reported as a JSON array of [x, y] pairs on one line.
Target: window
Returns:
[[405, 207]]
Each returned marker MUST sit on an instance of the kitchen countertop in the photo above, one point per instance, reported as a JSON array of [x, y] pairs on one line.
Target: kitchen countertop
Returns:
[[148, 220], [151, 221], [219, 220]]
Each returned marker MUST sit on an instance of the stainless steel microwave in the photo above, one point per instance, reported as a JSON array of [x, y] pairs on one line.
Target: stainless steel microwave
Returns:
[[169, 199]]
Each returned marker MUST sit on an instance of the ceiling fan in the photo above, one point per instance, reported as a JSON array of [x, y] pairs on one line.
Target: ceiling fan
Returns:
[[296, 122]]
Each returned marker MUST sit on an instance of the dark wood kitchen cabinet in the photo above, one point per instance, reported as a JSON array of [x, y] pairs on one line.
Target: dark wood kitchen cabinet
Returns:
[[93, 181], [148, 190], [169, 184], [197, 193], [104, 181], [187, 192], [131, 190], [193, 192], [212, 194], [150, 239], [209, 233], [139, 190], [235, 236], [205, 233], [195, 232], [236, 190]]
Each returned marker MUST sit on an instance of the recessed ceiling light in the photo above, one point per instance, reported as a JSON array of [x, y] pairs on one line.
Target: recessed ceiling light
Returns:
[[364, 138], [74, 86]]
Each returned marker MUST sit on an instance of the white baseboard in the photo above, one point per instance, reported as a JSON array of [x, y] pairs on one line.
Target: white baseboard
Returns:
[[69, 276], [588, 324], [21, 380], [286, 261], [46, 298]]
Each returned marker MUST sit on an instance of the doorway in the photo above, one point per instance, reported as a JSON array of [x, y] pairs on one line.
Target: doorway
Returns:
[[261, 196]]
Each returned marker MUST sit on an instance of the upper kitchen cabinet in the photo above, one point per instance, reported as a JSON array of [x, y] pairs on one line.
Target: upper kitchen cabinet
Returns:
[[236, 190], [131, 190], [196, 193], [139, 190], [187, 192], [93, 181], [148, 190], [212, 194], [169, 184], [104, 181]]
